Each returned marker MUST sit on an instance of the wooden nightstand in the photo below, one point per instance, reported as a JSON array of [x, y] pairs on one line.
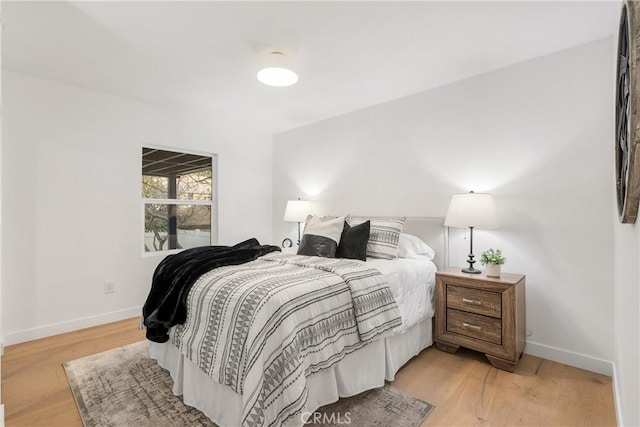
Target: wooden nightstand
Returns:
[[482, 313]]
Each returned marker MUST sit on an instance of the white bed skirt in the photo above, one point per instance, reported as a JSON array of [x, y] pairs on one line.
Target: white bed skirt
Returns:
[[362, 370]]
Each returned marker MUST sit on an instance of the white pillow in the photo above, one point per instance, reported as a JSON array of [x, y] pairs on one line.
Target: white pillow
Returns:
[[412, 247]]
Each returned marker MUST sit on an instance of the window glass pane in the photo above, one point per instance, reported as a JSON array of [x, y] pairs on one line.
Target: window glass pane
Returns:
[[156, 227], [176, 226], [155, 187], [195, 186], [173, 175]]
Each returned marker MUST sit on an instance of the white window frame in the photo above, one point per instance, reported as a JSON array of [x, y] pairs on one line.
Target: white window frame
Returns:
[[213, 203]]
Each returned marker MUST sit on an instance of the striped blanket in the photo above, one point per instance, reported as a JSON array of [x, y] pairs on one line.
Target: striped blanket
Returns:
[[263, 327]]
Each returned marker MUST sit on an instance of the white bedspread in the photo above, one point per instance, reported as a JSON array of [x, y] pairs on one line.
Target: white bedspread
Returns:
[[412, 283]]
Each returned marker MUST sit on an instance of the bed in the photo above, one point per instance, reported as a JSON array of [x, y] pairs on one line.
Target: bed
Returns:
[[357, 369]]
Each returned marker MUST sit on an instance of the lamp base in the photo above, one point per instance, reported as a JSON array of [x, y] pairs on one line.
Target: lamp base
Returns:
[[471, 270], [471, 260]]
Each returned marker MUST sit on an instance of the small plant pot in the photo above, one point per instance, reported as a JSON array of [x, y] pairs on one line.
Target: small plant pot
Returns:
[[493, 270]]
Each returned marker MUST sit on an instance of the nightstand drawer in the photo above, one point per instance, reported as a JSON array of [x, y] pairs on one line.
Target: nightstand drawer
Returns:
[[475, 326], [474, 300]]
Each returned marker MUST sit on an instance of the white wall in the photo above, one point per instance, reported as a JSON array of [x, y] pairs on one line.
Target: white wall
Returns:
[[71, 162], [627, 322], [538, 135], [2, 341]]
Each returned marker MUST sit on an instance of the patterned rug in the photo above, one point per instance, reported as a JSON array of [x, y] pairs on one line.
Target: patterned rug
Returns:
[[124, 387]]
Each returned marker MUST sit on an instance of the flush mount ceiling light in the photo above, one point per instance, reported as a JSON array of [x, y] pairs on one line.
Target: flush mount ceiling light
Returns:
[[277, 71]]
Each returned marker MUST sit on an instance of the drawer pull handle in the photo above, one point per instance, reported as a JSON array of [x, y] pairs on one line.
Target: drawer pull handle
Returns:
[[471, 301], [470, 326]]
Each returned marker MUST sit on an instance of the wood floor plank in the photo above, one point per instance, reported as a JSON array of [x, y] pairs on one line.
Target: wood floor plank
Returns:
[[464, 387]]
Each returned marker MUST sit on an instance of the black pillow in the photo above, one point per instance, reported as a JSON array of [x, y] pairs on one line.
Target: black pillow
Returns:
[[353, 243]]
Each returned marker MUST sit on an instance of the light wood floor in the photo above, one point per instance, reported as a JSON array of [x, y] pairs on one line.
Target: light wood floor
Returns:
[[468, 391], [464, 387], [35, 391]]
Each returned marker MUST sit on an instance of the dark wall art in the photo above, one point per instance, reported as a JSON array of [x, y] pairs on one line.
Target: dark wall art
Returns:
[[627, 109]]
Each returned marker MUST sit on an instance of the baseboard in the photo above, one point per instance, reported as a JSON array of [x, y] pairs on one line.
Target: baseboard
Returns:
[[71, 325], [582, 361], [616, 396]]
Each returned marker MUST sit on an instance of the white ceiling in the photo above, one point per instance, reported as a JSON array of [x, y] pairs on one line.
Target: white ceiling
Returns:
[[203, 56]]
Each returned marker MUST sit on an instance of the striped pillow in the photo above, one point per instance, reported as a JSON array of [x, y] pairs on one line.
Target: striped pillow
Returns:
[[384, 236]]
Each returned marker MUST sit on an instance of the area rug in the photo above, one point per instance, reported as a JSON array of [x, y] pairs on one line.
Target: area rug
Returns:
[[124, 387]]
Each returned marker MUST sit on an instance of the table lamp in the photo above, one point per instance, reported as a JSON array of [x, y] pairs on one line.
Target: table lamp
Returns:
[[473, 210], [297, 211]]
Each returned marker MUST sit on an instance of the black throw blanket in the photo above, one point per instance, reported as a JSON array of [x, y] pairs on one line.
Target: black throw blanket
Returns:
[[166, 304]]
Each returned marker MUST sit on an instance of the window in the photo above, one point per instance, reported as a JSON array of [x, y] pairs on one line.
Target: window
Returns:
[[178, 196]]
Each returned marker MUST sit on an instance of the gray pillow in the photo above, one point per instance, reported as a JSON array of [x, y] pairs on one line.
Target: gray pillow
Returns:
[[384, 235]]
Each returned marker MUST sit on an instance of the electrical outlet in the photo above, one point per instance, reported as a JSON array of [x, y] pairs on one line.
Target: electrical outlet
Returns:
[[109, 287]]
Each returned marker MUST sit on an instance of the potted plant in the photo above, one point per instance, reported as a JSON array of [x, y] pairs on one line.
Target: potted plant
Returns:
[[493, 259]]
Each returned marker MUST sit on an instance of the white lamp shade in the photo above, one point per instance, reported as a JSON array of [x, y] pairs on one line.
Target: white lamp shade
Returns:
[[277, 71], [471, 210], [297, 210]]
